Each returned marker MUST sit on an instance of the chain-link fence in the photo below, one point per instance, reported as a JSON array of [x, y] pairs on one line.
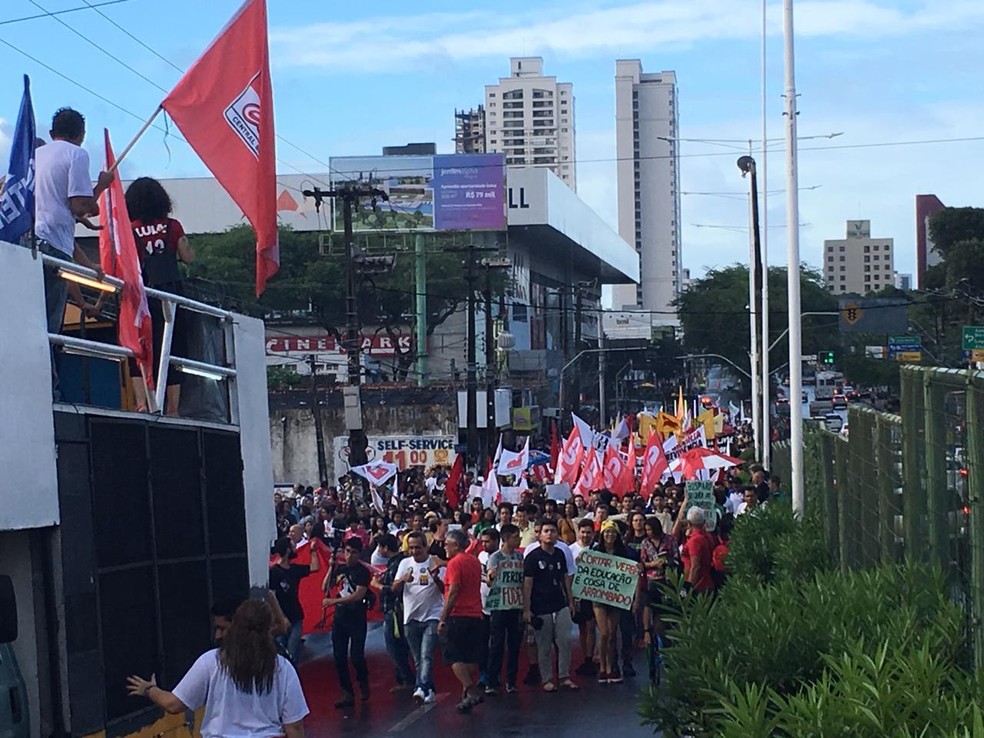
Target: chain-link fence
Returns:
[[907, 486]]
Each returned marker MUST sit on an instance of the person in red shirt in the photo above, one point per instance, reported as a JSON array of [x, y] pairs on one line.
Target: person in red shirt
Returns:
[[697, 553], [461, 619]]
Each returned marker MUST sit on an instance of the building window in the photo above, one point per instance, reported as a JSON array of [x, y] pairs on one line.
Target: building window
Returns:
[[842, 258], [843, 268], [867, 268], [841, 249], [867, 259], [868, 248]]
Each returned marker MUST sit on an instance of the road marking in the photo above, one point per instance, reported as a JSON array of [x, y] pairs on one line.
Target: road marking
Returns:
[[417, 714]]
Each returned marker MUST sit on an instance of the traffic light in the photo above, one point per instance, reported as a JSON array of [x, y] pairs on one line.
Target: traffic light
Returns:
[[826, 357]]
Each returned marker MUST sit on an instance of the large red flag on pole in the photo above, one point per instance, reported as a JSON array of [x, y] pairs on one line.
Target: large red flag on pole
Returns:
[[224, 107], [452, 488], [118, 258], [654, 464]]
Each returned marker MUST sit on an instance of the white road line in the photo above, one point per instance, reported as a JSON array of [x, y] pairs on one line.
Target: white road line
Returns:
[[417, 714]]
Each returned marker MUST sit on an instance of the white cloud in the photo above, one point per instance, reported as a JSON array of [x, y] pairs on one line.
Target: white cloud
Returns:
[[399, 42]]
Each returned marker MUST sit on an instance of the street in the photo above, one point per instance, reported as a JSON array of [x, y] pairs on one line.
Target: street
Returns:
[[594, 709]]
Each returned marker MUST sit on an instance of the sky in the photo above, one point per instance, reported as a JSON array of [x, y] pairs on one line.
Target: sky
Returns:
[[898, 80]]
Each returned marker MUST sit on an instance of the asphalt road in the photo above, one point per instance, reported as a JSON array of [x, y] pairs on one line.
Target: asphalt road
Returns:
[[594, 710]]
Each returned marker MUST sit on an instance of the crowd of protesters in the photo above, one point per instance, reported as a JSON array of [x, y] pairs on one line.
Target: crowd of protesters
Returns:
[[431, 565]]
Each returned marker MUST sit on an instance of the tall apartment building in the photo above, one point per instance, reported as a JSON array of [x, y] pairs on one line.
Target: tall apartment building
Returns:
[[648, 171], [530, 118], [469, 131], [859, 263]]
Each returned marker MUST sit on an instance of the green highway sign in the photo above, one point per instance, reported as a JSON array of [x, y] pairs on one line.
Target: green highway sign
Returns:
[[973, 338]]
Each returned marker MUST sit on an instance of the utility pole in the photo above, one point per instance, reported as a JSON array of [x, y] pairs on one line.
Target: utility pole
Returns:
[[350, 195], [758, 343], [491, 431], [471, 382], [319, 436], [420, 280]]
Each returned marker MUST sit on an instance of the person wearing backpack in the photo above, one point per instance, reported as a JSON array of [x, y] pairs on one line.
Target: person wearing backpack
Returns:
[[348, 633], [391, 604]]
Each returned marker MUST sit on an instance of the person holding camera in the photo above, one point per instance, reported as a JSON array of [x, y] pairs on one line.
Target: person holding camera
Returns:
[[547, 606]]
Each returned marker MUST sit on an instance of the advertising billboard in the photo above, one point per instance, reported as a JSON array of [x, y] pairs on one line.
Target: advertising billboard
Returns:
[[445, 192]]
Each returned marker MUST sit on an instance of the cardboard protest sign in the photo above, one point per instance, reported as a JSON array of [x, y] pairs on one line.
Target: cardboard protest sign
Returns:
[[700, 493], [607, 579], [559, 492], [512, 494], [506, 591]]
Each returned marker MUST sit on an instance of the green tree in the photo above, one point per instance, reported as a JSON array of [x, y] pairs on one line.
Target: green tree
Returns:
[[714, 314]]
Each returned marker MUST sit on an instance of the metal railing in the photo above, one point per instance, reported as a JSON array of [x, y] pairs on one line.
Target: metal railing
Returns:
[[171, 303], [908, 486]]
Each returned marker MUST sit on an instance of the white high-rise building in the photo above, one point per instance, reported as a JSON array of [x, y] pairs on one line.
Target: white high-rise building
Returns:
[[530, 118], [858, 264], [646, 130]]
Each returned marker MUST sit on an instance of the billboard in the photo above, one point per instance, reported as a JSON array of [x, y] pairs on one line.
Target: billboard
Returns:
[[445, 192], [405, 451]]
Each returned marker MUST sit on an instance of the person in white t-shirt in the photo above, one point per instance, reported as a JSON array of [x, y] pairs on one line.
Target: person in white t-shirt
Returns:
[[63, 194], [423, 601], [246, 687]]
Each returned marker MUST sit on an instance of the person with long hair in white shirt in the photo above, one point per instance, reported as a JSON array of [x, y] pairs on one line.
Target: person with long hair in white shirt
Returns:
[[247, 688]]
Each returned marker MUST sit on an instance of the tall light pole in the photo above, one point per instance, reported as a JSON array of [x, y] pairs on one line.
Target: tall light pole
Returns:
[[747, 166], [793, 273], [766, 415]]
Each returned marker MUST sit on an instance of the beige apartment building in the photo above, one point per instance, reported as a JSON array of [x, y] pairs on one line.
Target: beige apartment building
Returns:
[[530, 117], [858, 264]]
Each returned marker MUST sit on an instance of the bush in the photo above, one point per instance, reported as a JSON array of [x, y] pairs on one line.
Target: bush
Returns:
[[791, 647], [772, 545]]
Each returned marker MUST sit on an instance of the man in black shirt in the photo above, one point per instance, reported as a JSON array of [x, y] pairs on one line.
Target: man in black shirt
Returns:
[[547, 606], [348, 631], [285, 581]]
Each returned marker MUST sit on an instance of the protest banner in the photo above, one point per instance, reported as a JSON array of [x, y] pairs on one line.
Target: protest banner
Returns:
[[605, 578], [700, 493], [506, 590], [559, 492]]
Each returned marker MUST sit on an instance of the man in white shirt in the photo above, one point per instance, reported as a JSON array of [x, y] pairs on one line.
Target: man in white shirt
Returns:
[[63, 193], [423, 601]]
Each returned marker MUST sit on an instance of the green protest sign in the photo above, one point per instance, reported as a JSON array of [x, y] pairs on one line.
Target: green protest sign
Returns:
[[606, 579], [700, 493], [506, 591]]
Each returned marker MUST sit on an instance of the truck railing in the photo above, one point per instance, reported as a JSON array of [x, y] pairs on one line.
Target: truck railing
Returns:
[[171, 303]]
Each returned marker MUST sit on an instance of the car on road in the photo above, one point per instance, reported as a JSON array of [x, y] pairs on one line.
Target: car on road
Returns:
[[834, 422]]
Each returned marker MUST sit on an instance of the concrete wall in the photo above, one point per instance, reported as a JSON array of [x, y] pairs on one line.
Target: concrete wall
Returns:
[[392, 412], [29, 488]]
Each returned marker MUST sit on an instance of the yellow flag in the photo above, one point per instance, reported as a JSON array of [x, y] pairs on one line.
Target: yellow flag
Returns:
[[706, 419], [647, 424], [681, 408], [667, 425]]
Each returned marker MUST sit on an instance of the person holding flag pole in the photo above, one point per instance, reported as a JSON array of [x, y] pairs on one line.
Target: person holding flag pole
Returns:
[[224, 107]]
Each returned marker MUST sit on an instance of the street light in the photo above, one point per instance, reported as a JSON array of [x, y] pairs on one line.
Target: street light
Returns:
[[783, 334]]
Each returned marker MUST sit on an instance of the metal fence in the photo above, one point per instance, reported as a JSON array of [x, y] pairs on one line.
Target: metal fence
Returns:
[[907, 486]]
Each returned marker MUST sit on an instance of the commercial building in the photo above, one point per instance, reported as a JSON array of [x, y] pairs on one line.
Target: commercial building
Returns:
[[926, 256], [646, 132], [530, 117], [469, 131], [858, 264]]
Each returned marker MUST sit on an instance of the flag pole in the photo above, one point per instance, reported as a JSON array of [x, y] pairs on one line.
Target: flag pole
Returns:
[[140, 133]]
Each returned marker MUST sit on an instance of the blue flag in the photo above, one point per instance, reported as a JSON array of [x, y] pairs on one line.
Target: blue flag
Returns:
[[17, 195]]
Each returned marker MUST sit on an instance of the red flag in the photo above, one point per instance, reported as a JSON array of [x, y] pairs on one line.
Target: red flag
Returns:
[[654, 464], [118, 258], [592, 477], [452, 489], [554, 445], [569, 462], [224, 107], [626, 482]]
